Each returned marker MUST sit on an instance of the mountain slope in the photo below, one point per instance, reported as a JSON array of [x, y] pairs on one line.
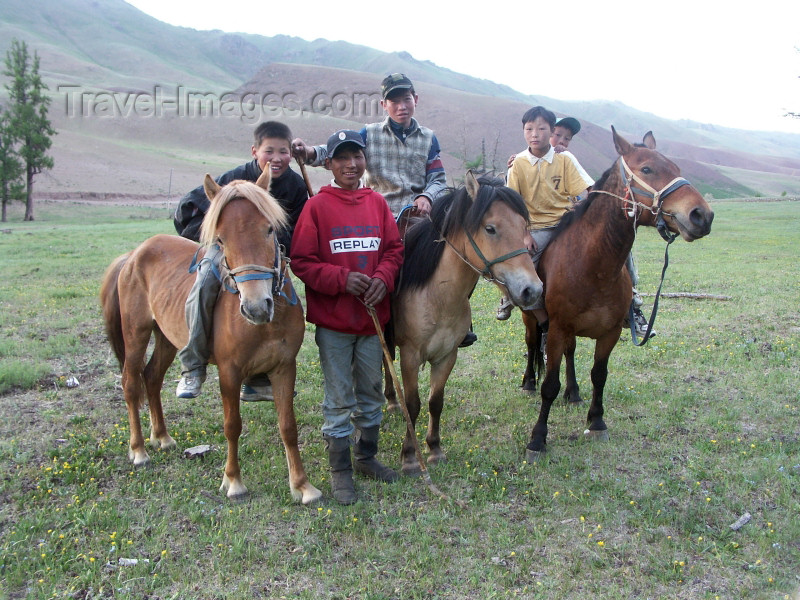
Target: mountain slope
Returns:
[[106, 51]]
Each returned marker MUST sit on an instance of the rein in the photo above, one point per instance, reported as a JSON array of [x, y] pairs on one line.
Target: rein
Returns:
[[632, 322]]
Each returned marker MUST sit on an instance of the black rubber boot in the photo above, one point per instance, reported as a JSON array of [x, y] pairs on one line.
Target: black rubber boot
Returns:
[[344, 491], [365, 450]]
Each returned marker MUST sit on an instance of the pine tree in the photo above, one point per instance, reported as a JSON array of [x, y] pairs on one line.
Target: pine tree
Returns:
[[29, 122], [11, 186]]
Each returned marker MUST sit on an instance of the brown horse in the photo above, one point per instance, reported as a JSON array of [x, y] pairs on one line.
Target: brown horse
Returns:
[[587, 287], [476, 230], [260, 331]]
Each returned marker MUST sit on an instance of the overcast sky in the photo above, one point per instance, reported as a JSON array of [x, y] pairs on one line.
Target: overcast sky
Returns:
[[729, 63]]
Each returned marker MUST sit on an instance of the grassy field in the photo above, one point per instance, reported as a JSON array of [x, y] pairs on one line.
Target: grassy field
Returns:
[[704, 424]]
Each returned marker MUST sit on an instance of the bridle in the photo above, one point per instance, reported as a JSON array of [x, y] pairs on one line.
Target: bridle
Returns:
[[657, 197], [657, 210], [231, 277], [486, 272]]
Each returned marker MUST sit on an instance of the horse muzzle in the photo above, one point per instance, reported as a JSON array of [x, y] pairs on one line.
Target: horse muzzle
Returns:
[[694, 225], [258, 312], [525, 295]]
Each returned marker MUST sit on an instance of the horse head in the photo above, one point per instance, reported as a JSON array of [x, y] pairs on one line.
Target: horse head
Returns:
[[244, 220], [496, 226], [654, 184]]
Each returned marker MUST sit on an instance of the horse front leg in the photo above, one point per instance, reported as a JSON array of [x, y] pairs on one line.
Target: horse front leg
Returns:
[[597, 429], [163, 355], [283, 391], [550, 388], [410, 369], [571, 391], [230, 383], [439, 375], [533, 338]]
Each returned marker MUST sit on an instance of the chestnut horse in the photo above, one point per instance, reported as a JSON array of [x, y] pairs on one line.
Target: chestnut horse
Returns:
[[257, 329], [587, 287], [476, 230]]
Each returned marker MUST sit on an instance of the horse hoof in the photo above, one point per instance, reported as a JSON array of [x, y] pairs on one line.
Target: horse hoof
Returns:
[[411, 470], [139, 458], [437, 458], [529, 386], [239, 498], [235, 489], [597, 435], [533, 456], [165, 443], [392, 406], [308, 495]]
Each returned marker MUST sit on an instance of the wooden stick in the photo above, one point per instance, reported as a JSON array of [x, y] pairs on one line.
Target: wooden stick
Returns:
[[692, 295], [401, 399], [302, 164]]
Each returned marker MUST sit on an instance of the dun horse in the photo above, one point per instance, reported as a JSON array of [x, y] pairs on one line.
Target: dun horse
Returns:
[[260, 331], [477, 230], [587, 287]]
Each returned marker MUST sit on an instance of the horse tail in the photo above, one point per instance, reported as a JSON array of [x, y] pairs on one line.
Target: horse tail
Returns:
[[109, 300]]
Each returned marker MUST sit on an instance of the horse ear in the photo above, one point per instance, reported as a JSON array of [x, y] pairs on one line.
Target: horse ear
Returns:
[[649, 140], [211, 187], [264, 179], [472, 185], [620, 143]]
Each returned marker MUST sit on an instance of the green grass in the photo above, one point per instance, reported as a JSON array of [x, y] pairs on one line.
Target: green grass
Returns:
[[704, 424]]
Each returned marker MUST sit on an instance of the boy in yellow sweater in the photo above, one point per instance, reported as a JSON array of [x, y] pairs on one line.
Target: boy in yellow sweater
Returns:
[[547, 180]]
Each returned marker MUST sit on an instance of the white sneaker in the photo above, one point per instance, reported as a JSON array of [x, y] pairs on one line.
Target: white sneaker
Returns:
[[189, 387], [641, 323], [637, 299]]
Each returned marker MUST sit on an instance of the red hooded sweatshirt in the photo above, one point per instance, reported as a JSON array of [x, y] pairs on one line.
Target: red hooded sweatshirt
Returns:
[[341, 231]]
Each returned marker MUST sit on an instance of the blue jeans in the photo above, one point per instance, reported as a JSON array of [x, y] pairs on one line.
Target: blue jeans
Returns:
[[351, 366]]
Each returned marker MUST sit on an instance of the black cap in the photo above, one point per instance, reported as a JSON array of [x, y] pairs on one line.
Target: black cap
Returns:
[[344, 136], [395, 81], [570, 123]]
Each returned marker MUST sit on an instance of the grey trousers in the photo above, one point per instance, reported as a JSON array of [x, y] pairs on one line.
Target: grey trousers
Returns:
[[351, 366], [199, 314]]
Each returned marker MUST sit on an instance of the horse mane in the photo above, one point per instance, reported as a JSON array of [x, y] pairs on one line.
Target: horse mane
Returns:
[[452, 213], [580, 209], [266, 204]]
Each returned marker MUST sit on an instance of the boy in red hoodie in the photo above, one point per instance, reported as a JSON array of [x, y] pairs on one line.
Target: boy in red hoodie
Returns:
[[347, 251]]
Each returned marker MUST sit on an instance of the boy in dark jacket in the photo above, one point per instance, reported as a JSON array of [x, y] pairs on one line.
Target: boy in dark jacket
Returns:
[[271, 149], [348, 252]]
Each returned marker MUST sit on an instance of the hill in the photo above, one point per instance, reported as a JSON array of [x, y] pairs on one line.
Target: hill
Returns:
[[144, 107]]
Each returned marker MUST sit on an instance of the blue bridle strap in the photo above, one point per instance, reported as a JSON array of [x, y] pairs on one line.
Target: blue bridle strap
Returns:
[[275, 273]]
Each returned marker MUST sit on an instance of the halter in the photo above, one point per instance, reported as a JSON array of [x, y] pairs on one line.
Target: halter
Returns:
[[650, 192], [486, 273], [661, 226], [231, 276]]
